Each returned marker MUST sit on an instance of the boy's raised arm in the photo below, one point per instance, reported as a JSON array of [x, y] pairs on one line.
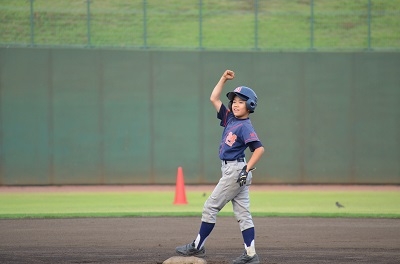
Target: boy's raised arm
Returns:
[[216, 93]]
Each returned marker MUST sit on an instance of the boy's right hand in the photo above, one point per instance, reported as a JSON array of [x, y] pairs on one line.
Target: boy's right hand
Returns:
[[229, 75]]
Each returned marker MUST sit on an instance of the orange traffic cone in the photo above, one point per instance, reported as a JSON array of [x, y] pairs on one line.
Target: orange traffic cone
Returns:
[[180, 194]]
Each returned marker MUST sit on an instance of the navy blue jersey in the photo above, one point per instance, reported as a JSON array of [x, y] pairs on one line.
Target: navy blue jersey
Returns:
[[237, 136]]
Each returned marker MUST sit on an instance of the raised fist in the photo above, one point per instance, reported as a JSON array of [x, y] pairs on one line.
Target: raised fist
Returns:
[[229, 75]]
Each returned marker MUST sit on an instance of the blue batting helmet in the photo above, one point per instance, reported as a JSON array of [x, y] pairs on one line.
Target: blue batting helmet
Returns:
[[244, 93]]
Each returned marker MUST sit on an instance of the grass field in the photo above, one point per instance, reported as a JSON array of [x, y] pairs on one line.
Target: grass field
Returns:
[[368, 204], [280, 24]]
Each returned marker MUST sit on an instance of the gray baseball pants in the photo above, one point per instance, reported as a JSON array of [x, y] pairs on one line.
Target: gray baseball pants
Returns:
[[227, 190]]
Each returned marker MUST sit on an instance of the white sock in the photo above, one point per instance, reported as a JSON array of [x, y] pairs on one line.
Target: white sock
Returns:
[[251, 250]]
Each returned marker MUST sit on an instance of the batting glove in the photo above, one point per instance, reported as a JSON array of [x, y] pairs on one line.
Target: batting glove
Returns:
[[242, 176]]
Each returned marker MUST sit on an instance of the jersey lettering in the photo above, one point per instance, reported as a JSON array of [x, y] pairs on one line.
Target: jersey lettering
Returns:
[[230, 139], [238, 89]]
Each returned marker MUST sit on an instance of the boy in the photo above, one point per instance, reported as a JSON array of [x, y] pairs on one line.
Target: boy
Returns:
[[236, 177]]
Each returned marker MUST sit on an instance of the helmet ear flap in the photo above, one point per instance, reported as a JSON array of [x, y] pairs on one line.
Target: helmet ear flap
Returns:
[[251, 105]]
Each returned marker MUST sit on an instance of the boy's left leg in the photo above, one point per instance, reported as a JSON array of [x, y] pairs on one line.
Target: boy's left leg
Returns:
[[241, 205]]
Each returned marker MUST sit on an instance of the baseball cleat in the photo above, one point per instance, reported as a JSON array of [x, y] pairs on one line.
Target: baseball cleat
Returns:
[[191, 250], [244, 259]]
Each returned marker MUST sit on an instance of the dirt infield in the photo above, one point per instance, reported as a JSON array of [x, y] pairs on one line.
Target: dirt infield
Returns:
[[153, 240]]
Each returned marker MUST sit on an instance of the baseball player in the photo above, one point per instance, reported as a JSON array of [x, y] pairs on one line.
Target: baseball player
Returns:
[[233, 186]]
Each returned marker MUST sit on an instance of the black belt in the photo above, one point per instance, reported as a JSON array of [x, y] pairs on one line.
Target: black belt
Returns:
[[230, 161]]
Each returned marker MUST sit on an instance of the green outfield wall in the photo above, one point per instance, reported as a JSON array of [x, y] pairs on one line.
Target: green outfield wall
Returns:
[[97, 116]]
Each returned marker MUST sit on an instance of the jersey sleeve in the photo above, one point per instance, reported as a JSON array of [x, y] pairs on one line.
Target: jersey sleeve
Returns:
[[250, 138], [253, 145], [223, 115]]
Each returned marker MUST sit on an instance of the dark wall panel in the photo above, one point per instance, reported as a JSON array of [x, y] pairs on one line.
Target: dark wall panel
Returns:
[[176, 130], [76, 117], [377, 118], [24, 95], [126, 123]]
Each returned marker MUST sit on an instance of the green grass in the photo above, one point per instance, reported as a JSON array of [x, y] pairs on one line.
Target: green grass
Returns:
[[377, 204], [226, 24]]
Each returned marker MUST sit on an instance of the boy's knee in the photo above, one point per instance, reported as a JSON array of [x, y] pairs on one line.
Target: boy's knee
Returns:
[[245, 222], [209, 214]]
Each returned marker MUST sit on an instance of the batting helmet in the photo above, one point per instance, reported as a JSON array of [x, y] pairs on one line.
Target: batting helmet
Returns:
[[244, 93]]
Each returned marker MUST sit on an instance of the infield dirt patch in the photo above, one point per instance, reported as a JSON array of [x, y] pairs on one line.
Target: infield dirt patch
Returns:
[[153, 240]]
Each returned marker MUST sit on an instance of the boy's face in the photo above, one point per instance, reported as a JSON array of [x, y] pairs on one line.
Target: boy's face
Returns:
[[239, 108]]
